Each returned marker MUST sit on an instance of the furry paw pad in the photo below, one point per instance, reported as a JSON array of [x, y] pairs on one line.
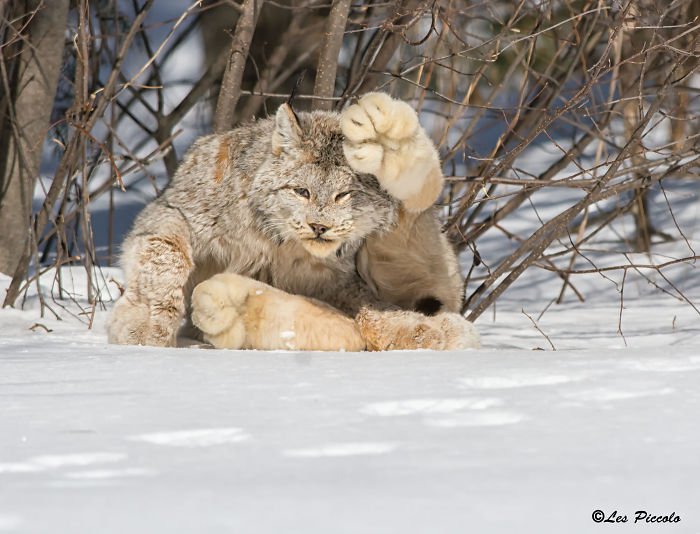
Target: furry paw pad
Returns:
[[365, 157], [383, 138], [378, 117], [130, 322], [216, 311], [459, 333]]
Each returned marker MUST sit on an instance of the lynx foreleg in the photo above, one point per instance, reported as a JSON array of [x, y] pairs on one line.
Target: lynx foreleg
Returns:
[[153, 305], [237, 312]]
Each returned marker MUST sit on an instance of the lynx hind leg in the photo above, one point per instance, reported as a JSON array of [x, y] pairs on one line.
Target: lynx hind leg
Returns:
[[237, 312], [406, 330], [413, 265], [150, 311], [383, 137]]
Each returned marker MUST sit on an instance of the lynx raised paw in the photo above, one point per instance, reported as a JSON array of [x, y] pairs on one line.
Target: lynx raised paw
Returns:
[[406, 330], [383, 138]]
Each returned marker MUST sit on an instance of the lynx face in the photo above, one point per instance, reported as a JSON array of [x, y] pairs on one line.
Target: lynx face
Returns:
[[315, 197]]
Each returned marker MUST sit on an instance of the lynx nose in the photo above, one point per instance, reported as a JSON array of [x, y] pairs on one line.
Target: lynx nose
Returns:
[[318, 229]]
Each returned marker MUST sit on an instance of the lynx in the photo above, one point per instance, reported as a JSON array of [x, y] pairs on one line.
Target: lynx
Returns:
[[308, 231]]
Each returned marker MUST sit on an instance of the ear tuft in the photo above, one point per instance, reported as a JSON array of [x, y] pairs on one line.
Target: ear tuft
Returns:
[[287, 134]]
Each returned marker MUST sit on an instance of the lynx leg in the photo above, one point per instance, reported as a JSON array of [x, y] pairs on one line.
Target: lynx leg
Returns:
[[413, 265], [237, 312], [405, 330], [150, 311]]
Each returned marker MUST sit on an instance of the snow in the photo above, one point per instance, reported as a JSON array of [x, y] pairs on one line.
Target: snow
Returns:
[[102, 438]]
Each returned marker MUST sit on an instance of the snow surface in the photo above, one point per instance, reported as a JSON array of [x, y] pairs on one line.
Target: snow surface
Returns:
[[100, 438]]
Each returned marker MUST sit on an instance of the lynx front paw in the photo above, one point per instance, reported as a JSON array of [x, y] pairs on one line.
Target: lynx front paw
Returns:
[[217, 311], [133, 322], [383, 138], [235, 312], [406, 330], [129, 323]]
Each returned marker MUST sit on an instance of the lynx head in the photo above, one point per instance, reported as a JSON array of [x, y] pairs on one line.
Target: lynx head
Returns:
[[311, 195]]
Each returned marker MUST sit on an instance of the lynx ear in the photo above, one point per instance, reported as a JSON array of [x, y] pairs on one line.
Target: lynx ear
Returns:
[[287, 134]]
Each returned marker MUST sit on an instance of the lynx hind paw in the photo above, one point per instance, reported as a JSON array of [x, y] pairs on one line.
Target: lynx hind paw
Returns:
[[405, 330], [459, 333], [399, 330], [216, 311], [378, 117]]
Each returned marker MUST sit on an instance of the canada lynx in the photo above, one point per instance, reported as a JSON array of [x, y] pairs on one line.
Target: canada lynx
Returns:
[[311, 232]]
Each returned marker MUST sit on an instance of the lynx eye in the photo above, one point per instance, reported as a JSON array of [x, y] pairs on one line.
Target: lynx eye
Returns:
[[302, 192], [341, 196]]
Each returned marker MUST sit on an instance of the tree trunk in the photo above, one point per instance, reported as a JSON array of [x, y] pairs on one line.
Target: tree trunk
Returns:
[[32, 65], [328, 59], [230, 90]]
